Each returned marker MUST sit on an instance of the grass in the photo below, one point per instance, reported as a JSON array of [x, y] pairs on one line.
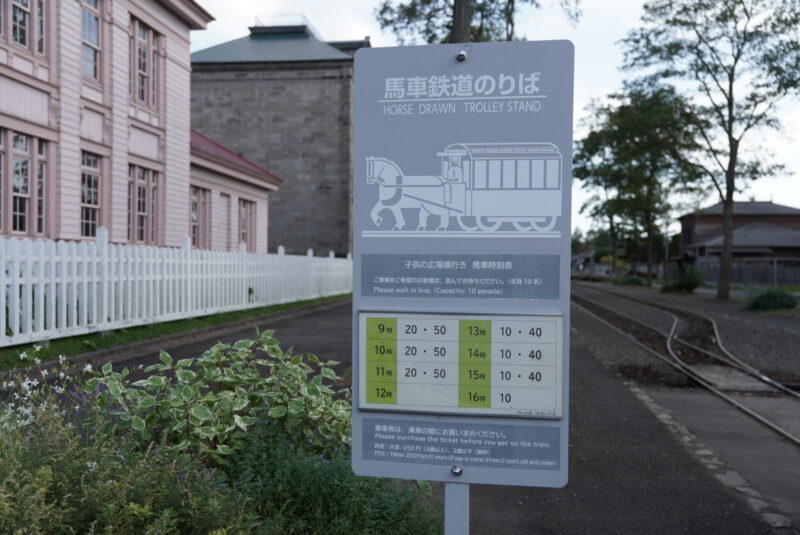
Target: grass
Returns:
[[785, 312], [78, 345], [755, 289]]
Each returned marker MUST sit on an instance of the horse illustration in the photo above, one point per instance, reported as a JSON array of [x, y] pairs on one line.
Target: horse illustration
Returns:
[[430, 194]]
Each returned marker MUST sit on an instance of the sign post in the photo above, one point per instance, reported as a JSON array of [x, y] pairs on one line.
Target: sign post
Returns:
[[461, 237]]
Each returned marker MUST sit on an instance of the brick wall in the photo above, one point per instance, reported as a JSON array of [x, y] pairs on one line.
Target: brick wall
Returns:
[[295, 120]]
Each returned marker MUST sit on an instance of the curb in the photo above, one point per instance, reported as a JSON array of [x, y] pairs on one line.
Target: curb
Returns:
[[120, 354], [733, 480]]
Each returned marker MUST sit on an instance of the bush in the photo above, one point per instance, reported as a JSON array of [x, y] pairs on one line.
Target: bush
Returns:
[[688, 279], [54, 478], [773, 299], [148, 459], [629, 280], [205, 407], [304, 494]]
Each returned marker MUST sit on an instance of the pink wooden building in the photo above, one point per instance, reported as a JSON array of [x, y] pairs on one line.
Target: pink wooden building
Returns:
[[95, 130]]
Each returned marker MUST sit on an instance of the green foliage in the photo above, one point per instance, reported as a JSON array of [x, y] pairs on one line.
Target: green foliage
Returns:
[[742, 58], [205, 407], [304, 494], [124, 472], [773, 299], [431, 21], [55, 479], [634, 160], [687, 280], [629, 280]]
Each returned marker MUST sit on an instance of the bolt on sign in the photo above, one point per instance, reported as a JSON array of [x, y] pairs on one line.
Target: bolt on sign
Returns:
[[462, 171]]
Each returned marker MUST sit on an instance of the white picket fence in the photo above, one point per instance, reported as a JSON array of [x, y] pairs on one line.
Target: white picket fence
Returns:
[[54, 289]]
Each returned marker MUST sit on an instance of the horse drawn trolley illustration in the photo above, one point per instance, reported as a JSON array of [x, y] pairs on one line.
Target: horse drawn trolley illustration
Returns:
[[481, 186]]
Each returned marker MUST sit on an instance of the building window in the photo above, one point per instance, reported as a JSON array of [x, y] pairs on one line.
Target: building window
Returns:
[[226, 203], [20, 183], [23, 183], [41, 184], [145, 62], [198, 213], [247, 211], [20, 16], [24, 22], [40, 13], [91, 38], [143, 205], [90, 194]]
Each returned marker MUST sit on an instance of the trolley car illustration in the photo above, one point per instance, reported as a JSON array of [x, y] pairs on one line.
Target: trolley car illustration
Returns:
[[481, 186]]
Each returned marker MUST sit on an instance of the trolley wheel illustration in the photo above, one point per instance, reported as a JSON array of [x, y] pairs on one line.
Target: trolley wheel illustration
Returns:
[[522, 225], [538, 224], [462, 222], [547, 223], [488, 224]]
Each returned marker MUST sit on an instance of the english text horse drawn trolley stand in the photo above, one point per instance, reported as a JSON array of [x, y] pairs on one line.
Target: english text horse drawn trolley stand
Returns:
[[461, 265]]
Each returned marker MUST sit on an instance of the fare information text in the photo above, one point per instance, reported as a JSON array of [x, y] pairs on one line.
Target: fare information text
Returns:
[[505, 365]]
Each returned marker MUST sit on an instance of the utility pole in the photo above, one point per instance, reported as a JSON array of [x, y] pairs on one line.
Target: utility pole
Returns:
[[462, 15]]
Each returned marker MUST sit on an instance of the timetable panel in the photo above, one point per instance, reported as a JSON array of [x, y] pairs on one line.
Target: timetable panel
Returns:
[[504, 365]]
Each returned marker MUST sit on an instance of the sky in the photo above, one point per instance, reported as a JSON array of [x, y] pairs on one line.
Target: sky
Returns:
[[598, 58]]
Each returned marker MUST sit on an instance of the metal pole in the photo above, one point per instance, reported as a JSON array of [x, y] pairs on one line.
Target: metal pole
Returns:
[[456, 509]]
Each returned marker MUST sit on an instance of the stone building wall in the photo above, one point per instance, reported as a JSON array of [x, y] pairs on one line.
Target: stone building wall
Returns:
[[295, 120]]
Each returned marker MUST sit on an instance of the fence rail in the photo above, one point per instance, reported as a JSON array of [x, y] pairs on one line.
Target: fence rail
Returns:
[[54, 289], [755, 272]]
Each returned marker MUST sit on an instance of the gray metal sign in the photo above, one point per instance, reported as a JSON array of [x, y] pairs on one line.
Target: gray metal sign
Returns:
[[461, 238]]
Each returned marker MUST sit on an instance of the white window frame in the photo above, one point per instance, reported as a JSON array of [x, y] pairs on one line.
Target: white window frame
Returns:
[[92, 8], [91, 197], [145, 65], [199, 212], [247, 216], [143, 205]]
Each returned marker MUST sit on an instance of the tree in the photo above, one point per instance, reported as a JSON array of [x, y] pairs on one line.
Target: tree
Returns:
[[445, 21], [635, 154], [742, 57]]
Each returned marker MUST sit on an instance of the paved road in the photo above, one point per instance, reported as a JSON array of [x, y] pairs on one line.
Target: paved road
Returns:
[[325, 333], [628, 474]]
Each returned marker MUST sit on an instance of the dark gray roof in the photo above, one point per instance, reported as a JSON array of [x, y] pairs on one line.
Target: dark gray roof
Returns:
[[350, 47], [757, 235], [271, 44], [752, 208]]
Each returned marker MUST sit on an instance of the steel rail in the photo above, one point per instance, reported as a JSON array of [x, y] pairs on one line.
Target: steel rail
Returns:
[[728, 358], [742, 367], [676, 363]]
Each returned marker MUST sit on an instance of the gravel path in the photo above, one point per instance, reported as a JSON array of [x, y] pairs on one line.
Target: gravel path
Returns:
[[653, 317], [616, 352]]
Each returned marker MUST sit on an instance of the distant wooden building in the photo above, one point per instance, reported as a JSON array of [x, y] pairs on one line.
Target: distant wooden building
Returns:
[[760, 230], [282, 98]]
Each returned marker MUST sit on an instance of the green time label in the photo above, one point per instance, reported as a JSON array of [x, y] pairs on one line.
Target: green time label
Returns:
[[381, 360], [474, 363]]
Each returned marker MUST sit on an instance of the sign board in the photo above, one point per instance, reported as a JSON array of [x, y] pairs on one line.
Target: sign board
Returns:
[[461, 241]]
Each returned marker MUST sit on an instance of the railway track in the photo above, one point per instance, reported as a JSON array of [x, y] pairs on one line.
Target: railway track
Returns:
[[692, 347]]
